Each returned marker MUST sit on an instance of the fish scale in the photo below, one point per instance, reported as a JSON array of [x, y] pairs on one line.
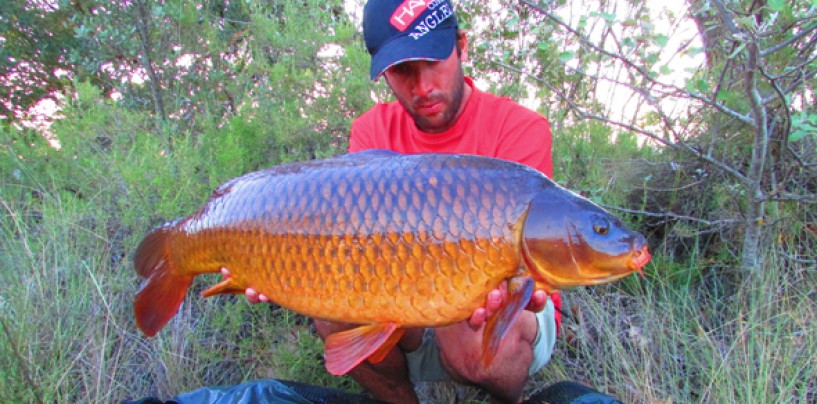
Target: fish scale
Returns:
[[387, 240]]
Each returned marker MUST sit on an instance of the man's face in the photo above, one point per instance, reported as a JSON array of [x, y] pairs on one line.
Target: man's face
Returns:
[[431, 91]]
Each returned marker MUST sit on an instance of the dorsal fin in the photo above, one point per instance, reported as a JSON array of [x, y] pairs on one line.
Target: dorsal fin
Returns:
[[373, 153]]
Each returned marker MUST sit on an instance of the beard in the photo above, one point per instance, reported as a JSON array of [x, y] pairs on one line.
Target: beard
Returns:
[[445, 119]]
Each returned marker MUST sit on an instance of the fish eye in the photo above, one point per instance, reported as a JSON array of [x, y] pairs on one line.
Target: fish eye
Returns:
[[601, 226]]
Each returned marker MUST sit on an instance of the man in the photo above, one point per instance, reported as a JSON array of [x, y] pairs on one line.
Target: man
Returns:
[[417, 48]]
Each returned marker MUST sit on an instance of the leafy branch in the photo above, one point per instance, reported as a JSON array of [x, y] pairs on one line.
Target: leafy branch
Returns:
[[756, 101]]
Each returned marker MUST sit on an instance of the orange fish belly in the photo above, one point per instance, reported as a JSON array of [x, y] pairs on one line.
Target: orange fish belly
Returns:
[[408, 278]]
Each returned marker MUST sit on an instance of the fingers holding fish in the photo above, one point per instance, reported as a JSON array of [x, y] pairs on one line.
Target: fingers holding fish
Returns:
[[252, 295], [537, 301], [497, 298]]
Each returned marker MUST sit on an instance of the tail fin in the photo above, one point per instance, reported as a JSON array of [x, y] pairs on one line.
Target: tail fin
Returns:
[[161, 294]]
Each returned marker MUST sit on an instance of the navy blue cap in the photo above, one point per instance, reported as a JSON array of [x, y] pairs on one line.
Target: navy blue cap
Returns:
[[400, 30]]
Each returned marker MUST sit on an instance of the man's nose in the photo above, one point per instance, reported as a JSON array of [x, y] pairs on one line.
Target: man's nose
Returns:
[[423, 80]]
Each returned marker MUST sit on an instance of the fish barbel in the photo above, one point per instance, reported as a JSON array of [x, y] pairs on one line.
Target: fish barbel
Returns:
[[387, 241]]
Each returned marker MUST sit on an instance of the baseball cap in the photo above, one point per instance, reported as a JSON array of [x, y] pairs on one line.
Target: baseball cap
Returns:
[[401, 30]]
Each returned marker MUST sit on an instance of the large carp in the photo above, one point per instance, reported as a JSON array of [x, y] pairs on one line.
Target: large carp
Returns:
[[387, 241]]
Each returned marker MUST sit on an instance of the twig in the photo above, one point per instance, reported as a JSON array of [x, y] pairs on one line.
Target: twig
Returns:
[[786, 197], [785, 44], [669, 215], [726, 17], [800, 260]]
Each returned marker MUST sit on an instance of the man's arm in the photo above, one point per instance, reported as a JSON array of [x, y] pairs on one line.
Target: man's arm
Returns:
[[360, 135]]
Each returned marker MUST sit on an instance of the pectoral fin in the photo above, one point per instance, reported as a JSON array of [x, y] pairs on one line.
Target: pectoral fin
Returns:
[[346, 349], [227, 286], [520, 290]]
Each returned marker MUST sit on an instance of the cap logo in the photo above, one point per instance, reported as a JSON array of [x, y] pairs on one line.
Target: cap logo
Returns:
[[406, 13]]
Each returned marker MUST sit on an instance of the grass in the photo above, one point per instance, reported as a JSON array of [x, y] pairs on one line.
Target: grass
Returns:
[[685, 333], [710, 342], [68, 333]]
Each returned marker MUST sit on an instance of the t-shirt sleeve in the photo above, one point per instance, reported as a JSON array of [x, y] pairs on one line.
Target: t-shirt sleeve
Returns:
[[362, 135], [358, 135], [527, 140]]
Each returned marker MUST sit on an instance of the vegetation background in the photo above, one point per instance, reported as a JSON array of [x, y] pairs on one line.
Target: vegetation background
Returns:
[[161, 101]]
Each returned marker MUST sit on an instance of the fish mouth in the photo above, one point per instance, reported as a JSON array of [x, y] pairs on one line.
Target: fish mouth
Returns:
[[639, 259]]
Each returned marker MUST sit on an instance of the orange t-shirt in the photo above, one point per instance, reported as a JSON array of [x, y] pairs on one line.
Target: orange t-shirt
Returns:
[[489, 126]]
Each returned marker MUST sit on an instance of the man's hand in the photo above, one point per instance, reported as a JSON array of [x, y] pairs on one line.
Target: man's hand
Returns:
[[252, 295], [495, 300]]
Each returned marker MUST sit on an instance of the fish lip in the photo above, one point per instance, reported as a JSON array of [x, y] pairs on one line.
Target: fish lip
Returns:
[[639, 259]]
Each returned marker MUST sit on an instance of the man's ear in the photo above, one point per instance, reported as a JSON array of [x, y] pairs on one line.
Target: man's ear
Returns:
[[462, 43]]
